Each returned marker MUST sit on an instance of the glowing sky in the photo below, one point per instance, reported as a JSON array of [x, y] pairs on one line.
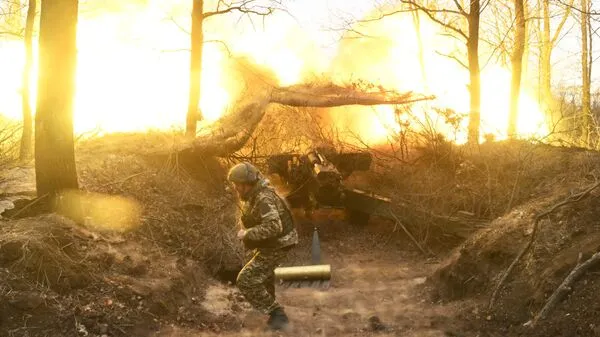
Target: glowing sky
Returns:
[[133, 59]]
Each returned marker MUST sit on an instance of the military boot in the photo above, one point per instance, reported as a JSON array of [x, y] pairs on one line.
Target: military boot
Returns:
[[278, 320]]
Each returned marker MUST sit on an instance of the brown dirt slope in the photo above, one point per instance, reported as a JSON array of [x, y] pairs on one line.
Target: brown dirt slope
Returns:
[[475, 267]]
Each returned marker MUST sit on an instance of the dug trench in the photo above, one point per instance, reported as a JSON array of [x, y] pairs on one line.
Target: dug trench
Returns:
[[158, 256], [378, 288]]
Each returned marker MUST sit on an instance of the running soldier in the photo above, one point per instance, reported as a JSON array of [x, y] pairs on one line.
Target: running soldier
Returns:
[[268, 231]]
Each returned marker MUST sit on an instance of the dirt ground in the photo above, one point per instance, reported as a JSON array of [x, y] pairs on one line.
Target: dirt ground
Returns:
[[377, 289]]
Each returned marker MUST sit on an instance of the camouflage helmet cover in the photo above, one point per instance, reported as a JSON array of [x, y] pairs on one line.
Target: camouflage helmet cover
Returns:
[[243, 173]]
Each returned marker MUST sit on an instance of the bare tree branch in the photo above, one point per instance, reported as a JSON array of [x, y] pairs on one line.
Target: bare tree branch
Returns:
[[430, 13], [570, 5], [223, 44], [230, 133], [460, 8], [183, 29], [562, 23], [14, 34], [261, 11], [455, 58], [538, 218]]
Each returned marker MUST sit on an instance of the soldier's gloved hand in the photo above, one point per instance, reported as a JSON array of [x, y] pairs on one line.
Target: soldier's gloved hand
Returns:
[[241, 234]]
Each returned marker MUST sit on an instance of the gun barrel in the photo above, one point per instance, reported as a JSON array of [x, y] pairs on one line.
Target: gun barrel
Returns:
[[366, 202]]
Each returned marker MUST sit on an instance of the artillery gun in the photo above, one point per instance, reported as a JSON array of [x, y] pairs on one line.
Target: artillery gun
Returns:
[[315, 180]]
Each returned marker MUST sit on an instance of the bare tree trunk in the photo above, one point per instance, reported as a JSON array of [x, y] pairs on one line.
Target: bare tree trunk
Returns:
[[517, 66], [472, 44], [586, 99], [527, 48], [417, 23], [590, 66], [197, 41], [54, 147], [475, 85], [546, 47], [545, 56], [540, 40], [27, 135]]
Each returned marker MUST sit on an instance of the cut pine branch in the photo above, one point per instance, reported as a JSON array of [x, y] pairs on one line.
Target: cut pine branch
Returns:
[[230, 133], [328, 96]]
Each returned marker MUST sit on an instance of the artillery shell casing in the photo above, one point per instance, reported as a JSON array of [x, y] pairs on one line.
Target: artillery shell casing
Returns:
[[315, 272]]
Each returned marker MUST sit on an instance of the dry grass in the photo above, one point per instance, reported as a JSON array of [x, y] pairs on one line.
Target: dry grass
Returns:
[[445, 193], [45, 251], [442, 192]]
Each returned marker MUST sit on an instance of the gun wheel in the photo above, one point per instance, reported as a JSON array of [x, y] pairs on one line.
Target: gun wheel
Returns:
[[357, 218]]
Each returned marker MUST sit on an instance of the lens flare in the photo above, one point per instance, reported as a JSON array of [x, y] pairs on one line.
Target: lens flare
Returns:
[[101, 212]]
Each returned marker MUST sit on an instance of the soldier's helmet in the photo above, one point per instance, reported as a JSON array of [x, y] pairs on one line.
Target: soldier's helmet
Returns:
[[243, 173]]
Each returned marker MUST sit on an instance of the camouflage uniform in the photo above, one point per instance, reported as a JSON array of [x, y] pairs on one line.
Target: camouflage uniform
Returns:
[[270, 234]]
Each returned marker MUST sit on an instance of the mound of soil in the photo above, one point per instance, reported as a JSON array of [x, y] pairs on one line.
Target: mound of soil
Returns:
[[474, 268], [59, 278]]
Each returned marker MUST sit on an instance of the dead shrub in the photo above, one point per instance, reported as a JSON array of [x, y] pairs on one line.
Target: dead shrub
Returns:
[[46, 252]]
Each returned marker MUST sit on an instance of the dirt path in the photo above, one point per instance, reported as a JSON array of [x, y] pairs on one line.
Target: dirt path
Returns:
[[386, 284]]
